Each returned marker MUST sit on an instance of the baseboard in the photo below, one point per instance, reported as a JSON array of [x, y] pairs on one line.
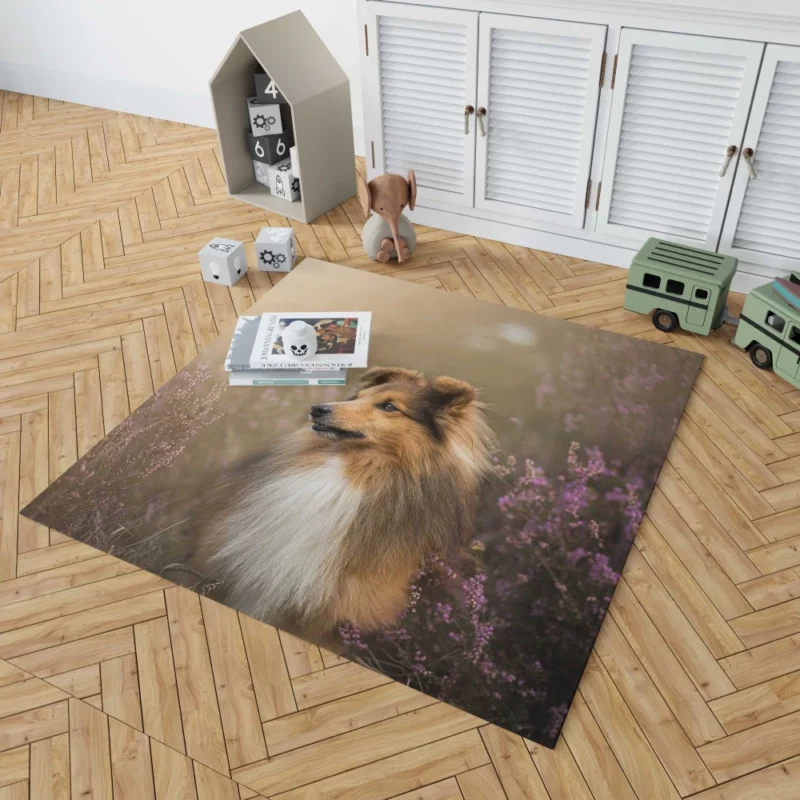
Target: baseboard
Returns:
[[603, 253], [130, 98]]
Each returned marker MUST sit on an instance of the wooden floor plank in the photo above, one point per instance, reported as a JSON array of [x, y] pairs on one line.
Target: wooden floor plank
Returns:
[[131, 767], [626, 739], [119, 680], [241, 723], [90, 756], [50, 769], [202, 727], [161, 713], [650, 710]]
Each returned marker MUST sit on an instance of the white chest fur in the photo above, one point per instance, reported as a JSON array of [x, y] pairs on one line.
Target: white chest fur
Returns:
[[284, 539]]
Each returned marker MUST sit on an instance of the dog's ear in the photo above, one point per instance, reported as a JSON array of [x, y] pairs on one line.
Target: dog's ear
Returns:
[[377, 376], [449, 395]]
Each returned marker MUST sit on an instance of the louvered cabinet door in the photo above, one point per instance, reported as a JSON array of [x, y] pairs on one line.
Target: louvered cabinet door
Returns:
[[679, 102], [419, 81], [762, 225], [538, 83]]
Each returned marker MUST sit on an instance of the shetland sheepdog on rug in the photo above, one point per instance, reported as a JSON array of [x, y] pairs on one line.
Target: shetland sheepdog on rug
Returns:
[[330, 525]]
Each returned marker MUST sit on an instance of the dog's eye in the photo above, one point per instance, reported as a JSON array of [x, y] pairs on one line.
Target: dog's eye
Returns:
[[387, 406]]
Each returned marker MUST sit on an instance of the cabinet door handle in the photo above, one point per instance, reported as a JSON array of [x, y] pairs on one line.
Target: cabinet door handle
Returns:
[[467, 111], [731, 152], [481, 114], [748, 154]]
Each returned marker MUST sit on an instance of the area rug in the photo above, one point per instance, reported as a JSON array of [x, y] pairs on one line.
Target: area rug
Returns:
[[456, 517]]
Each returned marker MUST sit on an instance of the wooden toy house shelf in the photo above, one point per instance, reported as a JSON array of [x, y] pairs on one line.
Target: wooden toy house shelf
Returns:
[[318, 91]]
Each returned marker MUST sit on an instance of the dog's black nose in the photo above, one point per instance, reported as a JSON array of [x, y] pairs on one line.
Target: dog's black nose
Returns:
[[320, 411]]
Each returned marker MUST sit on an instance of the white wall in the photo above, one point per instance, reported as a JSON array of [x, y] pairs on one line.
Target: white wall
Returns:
[[150, 57]]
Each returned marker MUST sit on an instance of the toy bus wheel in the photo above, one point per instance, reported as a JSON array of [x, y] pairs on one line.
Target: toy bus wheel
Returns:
[[665, 320], [761, 357]]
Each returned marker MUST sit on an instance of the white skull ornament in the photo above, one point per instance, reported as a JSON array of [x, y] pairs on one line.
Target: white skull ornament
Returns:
[[299, 340]]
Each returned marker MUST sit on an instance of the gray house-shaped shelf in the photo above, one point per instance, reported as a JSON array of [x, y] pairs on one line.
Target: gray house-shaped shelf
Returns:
[[318, 91]]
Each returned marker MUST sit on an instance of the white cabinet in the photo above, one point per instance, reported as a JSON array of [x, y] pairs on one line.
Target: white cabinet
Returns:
[[424, 79], [510, 130], [680, 101], [587, 135], [538, 86], [762, 225]]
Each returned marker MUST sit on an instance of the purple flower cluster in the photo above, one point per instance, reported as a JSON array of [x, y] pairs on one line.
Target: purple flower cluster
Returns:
[[495, 627]]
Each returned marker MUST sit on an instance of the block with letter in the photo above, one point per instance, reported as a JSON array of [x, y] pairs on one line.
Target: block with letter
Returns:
[[272, 148], [267, 90], [295, 162], [268, 117], [223, 261], [282, 183], [275, 249]]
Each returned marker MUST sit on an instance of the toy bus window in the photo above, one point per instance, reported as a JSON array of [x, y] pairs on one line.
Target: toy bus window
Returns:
[[776, 322], [675, 287], [794, 336], [701, 294], [651, 281]]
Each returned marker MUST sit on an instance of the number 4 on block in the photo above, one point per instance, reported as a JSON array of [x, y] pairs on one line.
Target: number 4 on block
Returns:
[[267, 90]]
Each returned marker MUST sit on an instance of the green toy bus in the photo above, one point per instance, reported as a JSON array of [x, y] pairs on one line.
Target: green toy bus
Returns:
[[769, 329], [681, 286], [686, 287]]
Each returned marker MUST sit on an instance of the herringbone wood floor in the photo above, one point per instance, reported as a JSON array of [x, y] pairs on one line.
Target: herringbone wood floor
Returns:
[[115, 684]]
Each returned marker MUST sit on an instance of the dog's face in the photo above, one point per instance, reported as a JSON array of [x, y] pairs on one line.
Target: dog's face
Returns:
[[395, 408]]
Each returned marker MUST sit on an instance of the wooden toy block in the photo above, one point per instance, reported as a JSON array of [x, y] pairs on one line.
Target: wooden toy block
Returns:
[[276, 249], [268, 118], [267, 90], [272, 148], [223, 261], [282, 183]]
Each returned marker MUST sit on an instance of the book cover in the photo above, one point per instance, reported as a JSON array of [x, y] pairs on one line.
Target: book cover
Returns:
[[274, 377], [302, 340]]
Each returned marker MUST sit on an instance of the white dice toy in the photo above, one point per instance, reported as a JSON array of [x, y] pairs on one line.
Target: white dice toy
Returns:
[[268, 117], [223, 261], [282, 183], [262, 173], [295, 161], [275, 249]]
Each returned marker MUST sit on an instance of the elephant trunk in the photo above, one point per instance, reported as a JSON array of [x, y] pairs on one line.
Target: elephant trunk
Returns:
[[393, 227]]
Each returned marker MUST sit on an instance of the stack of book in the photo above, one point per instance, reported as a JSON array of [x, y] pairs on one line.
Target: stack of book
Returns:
[[298, 348]]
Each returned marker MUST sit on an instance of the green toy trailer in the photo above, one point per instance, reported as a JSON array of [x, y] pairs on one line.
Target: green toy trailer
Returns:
[[769, 329], [688, 288], [681, 286]]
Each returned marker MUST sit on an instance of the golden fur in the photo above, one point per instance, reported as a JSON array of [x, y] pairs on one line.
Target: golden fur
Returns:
[[330, 525]]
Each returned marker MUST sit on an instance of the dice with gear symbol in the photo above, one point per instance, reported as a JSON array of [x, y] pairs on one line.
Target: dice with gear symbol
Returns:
[[282, 183], [268, 118], [275, 249]]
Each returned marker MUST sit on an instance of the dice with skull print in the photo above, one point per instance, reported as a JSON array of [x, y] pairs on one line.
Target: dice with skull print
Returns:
[[275, 249], [268, 117], [282, 182], [223, 261]]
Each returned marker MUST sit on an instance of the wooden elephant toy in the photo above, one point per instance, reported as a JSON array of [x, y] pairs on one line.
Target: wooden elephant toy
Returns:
[[387, 233]]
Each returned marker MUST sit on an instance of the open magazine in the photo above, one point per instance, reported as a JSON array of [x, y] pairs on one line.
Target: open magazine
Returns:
[[303, 340]]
